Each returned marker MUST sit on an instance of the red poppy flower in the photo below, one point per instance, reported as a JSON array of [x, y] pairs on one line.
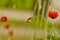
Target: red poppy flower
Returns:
[[29, 19], [4, 19], [53, 14]]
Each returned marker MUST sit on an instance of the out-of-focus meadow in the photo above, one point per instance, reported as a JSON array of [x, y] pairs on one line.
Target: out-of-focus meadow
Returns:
[[17, 4], [17, 10], [17, 13], [21, 10]]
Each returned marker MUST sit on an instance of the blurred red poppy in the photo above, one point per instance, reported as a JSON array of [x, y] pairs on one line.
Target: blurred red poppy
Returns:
[[4, 19], [7, 27], [53, 14]]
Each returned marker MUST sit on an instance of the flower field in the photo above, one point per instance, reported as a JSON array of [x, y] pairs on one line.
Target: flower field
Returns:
[[41, 23]]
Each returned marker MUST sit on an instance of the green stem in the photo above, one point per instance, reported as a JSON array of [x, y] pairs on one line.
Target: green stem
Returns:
[[45, 29], [36, 21], [34, 9], [46, 21], [51, 31], [43, 9]]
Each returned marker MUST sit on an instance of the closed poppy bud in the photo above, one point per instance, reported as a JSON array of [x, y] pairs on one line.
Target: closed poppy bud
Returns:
[[53, 14], [4, 19], [29, 19]]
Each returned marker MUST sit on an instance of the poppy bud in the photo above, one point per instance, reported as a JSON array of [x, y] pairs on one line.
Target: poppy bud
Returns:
[[29, 19]]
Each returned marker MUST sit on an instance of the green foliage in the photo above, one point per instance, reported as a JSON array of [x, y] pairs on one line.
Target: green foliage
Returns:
[[3, 3], [17, 4], [55, 35]]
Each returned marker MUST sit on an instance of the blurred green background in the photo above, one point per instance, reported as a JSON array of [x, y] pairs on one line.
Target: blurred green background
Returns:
[[17, 4]]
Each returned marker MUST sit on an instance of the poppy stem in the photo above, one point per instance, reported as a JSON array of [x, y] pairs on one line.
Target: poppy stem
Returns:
[[45, 29], [51, 31], [42, 17], [34, 9], [36, 19], [45, 20], [51, 35]]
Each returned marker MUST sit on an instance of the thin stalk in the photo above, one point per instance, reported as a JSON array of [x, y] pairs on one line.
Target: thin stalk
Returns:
[[37, 21], [51, 35], [34, 10], [51, 31], [37, 25], [37, 3], [45, 29], [46, 21], [43, 9]]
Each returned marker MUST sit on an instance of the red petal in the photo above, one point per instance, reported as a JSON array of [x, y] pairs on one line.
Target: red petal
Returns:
[[50, 14], [53, 14], [30, 18], [3, 19]]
